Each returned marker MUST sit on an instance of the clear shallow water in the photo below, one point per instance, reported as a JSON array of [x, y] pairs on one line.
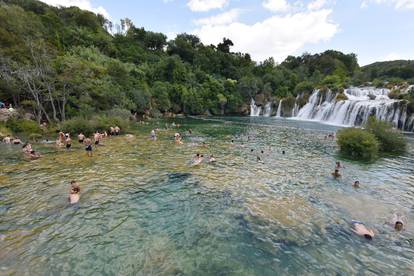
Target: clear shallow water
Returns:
[[144, 210]]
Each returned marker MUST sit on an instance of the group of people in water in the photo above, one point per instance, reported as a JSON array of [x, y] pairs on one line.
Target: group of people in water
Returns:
[[64, 140], [358, 227]]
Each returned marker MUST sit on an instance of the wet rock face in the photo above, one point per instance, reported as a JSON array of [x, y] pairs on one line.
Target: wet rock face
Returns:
[[259, 99]]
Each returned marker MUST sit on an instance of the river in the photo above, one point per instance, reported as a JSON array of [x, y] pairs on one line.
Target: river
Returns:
[[145, 211]]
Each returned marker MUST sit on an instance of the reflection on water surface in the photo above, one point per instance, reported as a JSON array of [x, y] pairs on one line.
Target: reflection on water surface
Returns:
[[144, 210]]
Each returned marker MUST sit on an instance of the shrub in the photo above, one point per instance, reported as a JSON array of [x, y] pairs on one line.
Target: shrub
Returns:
[[394, 94], [4, 131], [341, 97], [23, 126], [78, 125], [358, 144], [390, 140]]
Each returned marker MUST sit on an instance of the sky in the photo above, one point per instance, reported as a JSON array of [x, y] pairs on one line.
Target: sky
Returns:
[[375, 30]]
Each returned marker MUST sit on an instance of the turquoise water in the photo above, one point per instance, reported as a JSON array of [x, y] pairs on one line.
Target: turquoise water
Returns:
[[145, 211]]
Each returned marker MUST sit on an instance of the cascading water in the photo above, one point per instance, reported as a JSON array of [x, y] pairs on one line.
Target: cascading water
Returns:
[[254, 109], [279, 109], [361, 103], [323, 106], [267, 110]]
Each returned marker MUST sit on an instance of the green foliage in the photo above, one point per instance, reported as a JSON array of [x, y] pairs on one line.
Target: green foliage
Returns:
[[97, 123], [23, 126], [4, 131], [87, 71], [390, 140], [341, 97], [357, 144]]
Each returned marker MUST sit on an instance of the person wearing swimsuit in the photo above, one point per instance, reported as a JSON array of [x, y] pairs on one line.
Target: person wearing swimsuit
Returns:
[[81, 137], [88, 147], [68, 141]]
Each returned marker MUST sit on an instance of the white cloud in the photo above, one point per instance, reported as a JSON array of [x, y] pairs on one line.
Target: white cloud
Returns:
[[397, 4], [82, 4], [220, 19], [276, 5], [316, 5], [206, 5], [277, 36]]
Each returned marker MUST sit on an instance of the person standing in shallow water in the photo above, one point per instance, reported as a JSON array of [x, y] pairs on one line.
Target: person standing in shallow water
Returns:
[[153, 135], [68, 141], [88, 146], [81, 138]]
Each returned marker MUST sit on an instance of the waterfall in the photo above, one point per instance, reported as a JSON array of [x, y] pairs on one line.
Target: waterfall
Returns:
[[254, 109], [361, 103], [279, 109], [267, 109]]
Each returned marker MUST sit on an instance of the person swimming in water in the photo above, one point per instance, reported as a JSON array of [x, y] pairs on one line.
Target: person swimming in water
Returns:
[[178, 139], [198, 159], [7, 139], [283, 152], [68, 141], [361, 230], [88, 146], [74, 194], [398, 222], [356, 184], [338, 165], [16, 141], [336, 174], [29, 152], [211, 159]]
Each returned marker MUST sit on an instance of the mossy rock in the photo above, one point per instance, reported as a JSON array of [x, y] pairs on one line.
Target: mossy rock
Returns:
[[341, 97]]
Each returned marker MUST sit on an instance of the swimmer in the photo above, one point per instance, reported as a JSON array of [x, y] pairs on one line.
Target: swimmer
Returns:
[[198, 159], [360, 229], [211, 159], [251, 150], [190, 131], [29, 152], [283, 152], [258, 158], [178, 139], [338, 165], [397, 222], [74, 194], [356, 184], [81, 138], [88, 147], [16, 141], [153, 135], [68, 141], [336, 174], [7, 139]]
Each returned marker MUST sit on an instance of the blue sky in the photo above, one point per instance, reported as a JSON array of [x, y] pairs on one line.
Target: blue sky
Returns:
[[375, 30]]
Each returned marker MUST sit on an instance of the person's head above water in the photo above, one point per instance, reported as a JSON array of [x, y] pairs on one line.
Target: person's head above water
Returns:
[[398, 226], [368, 237], [75, 188]]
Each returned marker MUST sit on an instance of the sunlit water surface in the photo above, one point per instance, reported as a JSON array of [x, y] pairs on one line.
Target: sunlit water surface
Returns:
[[145, 211]]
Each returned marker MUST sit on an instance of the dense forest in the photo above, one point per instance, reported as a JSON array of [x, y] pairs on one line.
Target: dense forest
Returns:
[[59, 63]]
